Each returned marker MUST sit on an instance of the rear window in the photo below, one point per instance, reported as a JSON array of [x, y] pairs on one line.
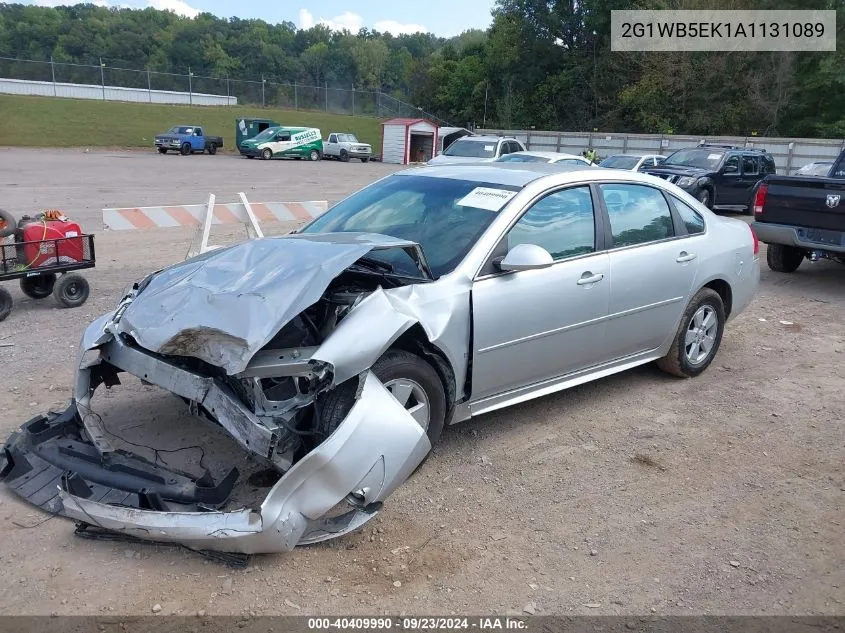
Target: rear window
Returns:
[[472, 149]]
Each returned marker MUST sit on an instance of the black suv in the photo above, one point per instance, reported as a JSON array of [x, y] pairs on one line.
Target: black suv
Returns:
[[722, 177]]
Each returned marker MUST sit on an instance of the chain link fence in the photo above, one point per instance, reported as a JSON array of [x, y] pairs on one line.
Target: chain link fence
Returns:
[[204, 90]]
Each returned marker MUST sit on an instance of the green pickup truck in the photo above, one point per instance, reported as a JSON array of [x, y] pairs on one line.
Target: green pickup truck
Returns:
[[284, 142]]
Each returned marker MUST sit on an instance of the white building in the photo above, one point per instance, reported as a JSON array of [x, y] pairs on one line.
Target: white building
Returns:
[[405, 141]]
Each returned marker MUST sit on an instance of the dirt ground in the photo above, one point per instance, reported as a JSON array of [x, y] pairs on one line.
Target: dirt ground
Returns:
[[636, 494]]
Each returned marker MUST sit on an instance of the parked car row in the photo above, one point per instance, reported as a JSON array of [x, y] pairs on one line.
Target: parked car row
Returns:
[[266, 139]]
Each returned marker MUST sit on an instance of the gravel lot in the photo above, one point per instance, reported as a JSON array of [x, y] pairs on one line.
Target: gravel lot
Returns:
[[631, 495]]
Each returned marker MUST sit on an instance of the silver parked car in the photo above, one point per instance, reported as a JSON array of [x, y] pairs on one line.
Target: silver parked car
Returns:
[[335, 356], [556, 158], [632, 162], [477, 149]]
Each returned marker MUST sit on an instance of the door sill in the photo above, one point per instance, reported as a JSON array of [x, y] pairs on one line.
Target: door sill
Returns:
[[552, 385]]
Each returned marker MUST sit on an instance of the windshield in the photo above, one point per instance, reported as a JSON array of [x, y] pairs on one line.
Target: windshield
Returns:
[[180, 129], [473, 149], [346, 138], [620, 162], [702, 158], [439, 214], [266, 135], [522, 158], [815, 169]]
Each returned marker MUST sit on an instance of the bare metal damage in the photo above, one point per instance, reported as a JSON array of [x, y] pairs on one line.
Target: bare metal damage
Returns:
[[211, 331]]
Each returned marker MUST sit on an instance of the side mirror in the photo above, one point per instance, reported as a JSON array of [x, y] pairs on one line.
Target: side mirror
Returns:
[[525, 257]]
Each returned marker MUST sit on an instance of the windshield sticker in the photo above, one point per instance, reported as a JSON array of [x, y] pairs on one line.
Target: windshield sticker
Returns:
[[714, 157], [488, 148], [486, 198]]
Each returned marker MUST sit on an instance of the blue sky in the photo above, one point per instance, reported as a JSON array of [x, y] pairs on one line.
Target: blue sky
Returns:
[[442, 17]]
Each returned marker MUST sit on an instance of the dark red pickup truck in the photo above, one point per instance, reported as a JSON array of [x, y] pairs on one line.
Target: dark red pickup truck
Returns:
[[801, 217]]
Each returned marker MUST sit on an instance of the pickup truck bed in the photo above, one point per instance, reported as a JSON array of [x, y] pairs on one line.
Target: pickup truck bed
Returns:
[[801, 217]]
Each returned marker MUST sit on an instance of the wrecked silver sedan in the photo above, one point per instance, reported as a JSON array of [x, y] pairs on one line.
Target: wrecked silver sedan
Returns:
[[336, 355]]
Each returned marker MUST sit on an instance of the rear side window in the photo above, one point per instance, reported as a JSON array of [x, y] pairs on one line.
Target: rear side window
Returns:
[[638, 214], [561, 222], [750, 165], [690, 217], [769, 166]]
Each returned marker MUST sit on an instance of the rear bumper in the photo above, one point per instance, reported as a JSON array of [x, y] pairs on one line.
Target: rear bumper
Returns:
[[798, 237]]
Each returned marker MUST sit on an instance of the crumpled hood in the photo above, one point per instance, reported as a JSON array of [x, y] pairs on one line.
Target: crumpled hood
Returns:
[[225, 305]]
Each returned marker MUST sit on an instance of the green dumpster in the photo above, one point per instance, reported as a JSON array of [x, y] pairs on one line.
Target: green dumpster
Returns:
[[246, 128]]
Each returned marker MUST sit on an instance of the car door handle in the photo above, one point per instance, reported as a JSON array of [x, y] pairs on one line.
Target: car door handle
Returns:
[[685, 257], [590, 278]]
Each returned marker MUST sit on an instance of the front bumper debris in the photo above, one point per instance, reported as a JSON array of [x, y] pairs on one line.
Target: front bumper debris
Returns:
[[375, 448]]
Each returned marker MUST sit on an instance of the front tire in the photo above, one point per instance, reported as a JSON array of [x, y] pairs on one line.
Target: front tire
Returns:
[[38, 287], [704, 197], [698, 337], [267, 154], [784, 259], [414, 382], [185, 149], [71, 290], [344, 156], [364, 159], [162, 150]]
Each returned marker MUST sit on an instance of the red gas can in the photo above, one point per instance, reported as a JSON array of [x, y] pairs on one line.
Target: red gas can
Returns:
[[59, 243]]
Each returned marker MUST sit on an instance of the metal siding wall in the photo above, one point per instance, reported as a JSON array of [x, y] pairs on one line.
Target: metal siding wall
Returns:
[[803, 151], [393, 145], [112, 93]]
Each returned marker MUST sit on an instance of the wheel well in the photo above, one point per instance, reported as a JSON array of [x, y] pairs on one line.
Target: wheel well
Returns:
[[723, 288], [416, 342]]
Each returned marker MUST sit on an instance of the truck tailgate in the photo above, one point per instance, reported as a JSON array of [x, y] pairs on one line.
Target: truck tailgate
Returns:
[[805, 201]]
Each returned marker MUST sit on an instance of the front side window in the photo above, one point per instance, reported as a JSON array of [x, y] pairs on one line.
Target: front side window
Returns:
[[561, 222], [731, 165], [690, 217], [638, 214], [444, 216], [333, 138]]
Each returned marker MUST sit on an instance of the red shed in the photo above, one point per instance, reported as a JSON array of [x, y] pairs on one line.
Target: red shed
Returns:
[[406, 141]]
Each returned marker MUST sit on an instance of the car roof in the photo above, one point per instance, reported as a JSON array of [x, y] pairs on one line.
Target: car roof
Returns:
[[508, 174], [486, 137]]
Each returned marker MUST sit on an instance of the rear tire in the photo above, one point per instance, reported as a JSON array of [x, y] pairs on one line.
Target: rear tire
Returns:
[[687, 357], [314, 155], [185, 149], [5, 303], [39, 287], [784, 259], [267, 154], [212, 149], [71, 290], [162, 150], [394, 365]]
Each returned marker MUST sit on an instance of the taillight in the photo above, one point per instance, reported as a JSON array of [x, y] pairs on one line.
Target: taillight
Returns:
[[756, 241], [760, 198]]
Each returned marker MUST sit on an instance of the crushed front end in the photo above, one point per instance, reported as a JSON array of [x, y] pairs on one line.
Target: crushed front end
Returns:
[[266, 386]]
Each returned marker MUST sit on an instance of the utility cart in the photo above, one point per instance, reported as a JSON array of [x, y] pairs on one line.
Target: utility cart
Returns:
[[43, 253]]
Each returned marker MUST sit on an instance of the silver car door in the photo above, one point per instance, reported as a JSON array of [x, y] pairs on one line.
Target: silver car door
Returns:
[[653, 264], [537, 324]]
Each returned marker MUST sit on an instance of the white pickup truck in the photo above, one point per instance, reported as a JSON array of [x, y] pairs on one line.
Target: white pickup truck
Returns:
[[344, 146]]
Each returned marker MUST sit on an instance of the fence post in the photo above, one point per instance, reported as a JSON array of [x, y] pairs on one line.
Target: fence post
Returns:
[[228, 96], [190, 87], [789, 151], [149, 86], [353, 99], [295, 96], [625, 144], [263, 83], [53, 71], [558, 142], [327, 96], [103, 77]]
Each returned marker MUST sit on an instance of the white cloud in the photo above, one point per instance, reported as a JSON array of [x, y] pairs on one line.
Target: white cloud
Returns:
[[350, 21], [398, 28], [180, 7]]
